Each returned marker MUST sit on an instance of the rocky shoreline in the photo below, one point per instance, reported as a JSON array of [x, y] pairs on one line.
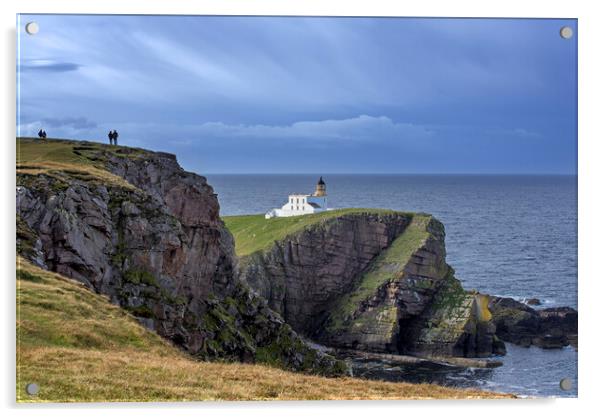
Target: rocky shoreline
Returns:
[[548, 328], [407, 359]]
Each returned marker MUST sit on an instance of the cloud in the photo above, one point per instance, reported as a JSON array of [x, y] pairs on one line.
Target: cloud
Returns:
[[67, 127], [48, 65], [524, 133], [485, 132], [362, 127], [74, 122]]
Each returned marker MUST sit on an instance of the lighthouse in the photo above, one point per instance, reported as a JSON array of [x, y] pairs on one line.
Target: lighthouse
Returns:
[[320, 188], [299, 204]]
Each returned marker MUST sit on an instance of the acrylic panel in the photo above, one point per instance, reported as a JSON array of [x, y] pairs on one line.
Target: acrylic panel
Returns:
[[220, 208]]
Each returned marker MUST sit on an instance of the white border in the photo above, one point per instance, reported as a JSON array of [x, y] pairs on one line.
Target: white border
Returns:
[[590, 178]]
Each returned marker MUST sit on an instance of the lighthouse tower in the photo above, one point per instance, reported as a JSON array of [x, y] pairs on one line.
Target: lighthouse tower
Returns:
[[320, 188], [318, 199]]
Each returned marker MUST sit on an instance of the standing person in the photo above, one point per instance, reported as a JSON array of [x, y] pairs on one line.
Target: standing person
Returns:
[[110, 137], [41, 134], [115, 136]]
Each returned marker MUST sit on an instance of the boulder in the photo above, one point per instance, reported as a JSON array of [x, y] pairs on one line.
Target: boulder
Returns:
[[533, 302], [522, 325]]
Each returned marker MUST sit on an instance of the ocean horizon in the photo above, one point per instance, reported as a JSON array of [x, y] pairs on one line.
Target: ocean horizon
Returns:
[[467, 174]]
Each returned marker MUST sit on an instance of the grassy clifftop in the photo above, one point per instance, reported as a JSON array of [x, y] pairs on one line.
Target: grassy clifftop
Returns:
[[79, 347], [30, 150], [64, 159], [254, 232]]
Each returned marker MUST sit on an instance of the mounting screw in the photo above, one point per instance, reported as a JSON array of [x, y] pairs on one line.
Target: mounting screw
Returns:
[[566, 384], [32, 28], [32, 389], [566, 32]]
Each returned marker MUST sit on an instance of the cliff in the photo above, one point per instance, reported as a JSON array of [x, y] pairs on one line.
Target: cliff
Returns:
[[364, 279], [313, 263], [133, 225]]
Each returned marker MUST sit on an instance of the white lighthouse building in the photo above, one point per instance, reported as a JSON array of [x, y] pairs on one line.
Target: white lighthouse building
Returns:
[[299, 204]]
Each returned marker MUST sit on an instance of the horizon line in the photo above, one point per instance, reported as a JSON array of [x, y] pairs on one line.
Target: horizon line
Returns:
[[567, 174]]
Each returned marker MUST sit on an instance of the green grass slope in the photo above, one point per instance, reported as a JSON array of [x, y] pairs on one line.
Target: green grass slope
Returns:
[[79, 347], [253, 233]]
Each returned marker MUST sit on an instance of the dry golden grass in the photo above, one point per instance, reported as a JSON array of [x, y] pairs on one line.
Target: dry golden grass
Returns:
[[74, 170], [59, 158], [130, 375], [68, 151], [79, 347]]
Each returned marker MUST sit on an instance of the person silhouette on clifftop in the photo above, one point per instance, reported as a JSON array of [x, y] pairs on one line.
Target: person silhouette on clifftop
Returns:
[[110, 137]]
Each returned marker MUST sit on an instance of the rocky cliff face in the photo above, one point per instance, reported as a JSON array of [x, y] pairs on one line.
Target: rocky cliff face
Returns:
[[155, 245], [373, 281], [303, 275]]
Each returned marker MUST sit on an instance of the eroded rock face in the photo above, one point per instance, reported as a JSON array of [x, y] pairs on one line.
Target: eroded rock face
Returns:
[[520, 324], [301, 277], [456, 323], [373, 282], [160, 250]]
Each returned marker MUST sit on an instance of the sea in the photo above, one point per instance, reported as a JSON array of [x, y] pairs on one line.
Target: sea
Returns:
[[506, 235]]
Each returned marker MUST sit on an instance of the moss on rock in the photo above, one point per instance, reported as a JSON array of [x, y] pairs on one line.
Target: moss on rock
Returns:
[[26, 238], [140, 276]]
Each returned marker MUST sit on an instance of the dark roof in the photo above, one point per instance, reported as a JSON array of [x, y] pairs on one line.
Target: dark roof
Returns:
[[321, 182], [314, 205]]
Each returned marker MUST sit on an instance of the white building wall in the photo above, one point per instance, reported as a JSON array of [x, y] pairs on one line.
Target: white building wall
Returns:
[[297, 205]]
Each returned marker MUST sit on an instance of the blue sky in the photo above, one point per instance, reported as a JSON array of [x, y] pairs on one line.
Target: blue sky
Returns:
[[309, 95]]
